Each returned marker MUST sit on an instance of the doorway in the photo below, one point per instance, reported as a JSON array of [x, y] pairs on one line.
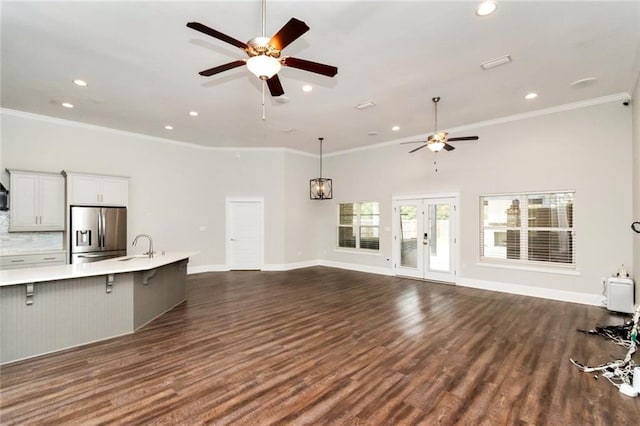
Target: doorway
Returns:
[[245, 233], [424, 237]]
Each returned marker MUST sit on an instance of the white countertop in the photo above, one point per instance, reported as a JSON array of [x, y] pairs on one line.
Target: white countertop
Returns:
[[118, 265]]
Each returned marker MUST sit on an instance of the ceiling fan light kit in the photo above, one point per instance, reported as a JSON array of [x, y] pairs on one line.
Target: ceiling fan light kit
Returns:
[[439, 140], [435, 146], [264, 67], [320, 188]]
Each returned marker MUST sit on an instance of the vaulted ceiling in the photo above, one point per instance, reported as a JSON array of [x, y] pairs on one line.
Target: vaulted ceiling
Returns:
[[141, 64]]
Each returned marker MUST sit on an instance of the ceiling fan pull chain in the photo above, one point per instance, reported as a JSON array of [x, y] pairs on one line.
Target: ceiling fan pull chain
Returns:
[[264, 114]]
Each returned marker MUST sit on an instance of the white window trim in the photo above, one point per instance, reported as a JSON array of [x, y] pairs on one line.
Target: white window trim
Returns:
[[367, 252], [567, 270]]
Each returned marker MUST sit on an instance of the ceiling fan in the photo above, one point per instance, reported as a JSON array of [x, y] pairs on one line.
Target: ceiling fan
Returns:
[[438, 140], [265, 53]]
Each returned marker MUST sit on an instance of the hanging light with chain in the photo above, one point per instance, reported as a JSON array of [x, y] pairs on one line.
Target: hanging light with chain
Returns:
[[321, 188]]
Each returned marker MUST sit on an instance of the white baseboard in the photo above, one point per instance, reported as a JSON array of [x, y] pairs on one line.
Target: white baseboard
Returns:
[[524, 290], [290, 266], [356, 267], [206, 268], [267, 267]]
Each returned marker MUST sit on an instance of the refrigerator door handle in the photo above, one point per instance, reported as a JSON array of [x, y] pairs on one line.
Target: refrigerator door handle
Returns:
[[100, 229], [104, 225]]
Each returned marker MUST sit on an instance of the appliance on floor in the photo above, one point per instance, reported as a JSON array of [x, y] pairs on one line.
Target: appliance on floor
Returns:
[[97, 233], [620, 294]]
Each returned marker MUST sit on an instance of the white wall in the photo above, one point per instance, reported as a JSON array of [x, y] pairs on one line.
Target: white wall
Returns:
[[588, 150], [175, 189], [301, 224]]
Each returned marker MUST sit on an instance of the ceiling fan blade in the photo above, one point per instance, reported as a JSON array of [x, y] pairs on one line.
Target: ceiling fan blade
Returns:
[[448, 147], [217, 34], [405, 143], [275, 87], [288, 33], [220, 68], [418, 148], [315, 67], [463, 138]]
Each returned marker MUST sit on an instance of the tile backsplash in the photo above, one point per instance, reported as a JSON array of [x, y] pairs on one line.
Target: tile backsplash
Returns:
[[25, 242]]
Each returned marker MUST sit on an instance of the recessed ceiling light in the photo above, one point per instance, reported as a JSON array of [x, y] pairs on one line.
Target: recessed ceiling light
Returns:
[[67, 105], [307, 88], [531, 95], [168, 127], [365, 105], [289, 130], [395, 128], [486, 8], [80, 83], [496, 62], [193, 113]]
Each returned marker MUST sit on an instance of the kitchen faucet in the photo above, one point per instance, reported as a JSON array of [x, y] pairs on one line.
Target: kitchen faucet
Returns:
[[150, 252]]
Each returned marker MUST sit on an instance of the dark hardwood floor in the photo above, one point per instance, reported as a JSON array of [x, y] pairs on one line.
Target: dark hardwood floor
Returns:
[[328, 346]]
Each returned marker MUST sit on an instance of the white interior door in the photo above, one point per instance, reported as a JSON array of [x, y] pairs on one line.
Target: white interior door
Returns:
[[424, 238], [244, 234]]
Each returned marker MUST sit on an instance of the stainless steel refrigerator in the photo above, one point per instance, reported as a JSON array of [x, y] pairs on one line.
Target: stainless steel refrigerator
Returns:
[[97, 233]]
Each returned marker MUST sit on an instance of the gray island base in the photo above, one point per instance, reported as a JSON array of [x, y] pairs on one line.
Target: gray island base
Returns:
[[42, 317]]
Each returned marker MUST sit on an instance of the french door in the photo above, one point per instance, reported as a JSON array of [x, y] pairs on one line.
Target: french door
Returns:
[[424, 238]]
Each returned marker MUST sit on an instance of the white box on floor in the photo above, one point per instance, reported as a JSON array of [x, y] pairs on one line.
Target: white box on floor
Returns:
[[620, 294]]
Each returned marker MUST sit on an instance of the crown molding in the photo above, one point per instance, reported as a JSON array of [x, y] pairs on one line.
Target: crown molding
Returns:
[[507, 119], [142, 136]]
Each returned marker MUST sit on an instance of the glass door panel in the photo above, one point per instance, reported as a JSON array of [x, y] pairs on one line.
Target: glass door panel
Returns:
[[424, 241], [439, 237], [408, 242], [409, 236]]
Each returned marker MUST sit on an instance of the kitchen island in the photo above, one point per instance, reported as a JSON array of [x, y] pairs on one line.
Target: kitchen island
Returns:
[[48, 309]]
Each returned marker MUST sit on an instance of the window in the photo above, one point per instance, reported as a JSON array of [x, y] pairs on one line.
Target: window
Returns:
[[535, 228], [359, 226]]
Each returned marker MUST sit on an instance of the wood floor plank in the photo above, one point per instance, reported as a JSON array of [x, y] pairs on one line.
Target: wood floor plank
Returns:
[[327, 346]]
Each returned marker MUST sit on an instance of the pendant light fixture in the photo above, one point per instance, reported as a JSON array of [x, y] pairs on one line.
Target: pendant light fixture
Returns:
[[320, 188]]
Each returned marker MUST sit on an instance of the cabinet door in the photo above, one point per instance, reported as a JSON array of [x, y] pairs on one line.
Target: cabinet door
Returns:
[[114, 191], [24, 201], [51, 203], [84, 190]]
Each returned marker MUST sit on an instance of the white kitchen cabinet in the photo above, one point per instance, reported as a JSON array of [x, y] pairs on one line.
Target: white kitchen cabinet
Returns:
[[97, 190], [36, 201]]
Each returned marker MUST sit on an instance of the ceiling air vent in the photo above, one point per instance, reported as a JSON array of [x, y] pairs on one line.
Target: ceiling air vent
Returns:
[[496, 62], [365, 105]]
